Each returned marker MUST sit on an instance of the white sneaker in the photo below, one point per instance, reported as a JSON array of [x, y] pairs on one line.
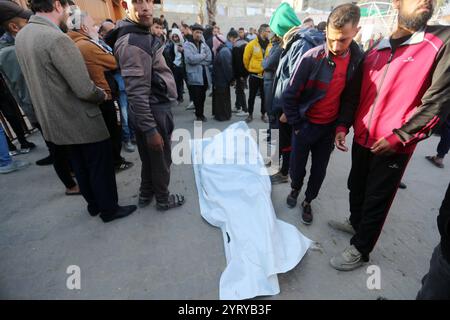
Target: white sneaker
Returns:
[[350, 259], [190, 106], [242, 114], [14, 166], [129, 147], [235, 110]]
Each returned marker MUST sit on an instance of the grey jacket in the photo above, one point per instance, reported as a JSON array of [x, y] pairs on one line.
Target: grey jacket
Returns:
[[10, 69], [195, 60], [149, 82], [64, 97]]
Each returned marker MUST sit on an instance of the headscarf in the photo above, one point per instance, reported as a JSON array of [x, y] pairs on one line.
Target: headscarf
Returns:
[[178, 33], [218, 40]]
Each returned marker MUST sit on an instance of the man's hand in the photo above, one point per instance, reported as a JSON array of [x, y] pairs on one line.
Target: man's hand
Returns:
[[155, 142], [382, 147], [339, 141], [283, 118]]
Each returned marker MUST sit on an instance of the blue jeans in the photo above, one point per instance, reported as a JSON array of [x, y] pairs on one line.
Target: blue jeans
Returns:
[[127, 132], [5, 158]]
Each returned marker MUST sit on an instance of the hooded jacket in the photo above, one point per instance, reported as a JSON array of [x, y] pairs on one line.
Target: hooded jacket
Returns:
[[254, 56], [298, 42], [238, 59], [12, 74], [148, 80], [401, 96]]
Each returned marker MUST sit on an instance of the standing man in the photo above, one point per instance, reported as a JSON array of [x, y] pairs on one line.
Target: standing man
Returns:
[[101, 66], [400, 95], [312, 102], [151, 93], [240, 74], [198, 58], [254, 54], [66, 104]]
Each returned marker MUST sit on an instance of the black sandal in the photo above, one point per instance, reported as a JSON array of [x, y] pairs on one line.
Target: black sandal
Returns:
[[124, 166], [173, 201]]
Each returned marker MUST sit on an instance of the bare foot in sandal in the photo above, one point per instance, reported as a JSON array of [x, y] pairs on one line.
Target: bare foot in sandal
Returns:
[[173, 201], [437, 161]]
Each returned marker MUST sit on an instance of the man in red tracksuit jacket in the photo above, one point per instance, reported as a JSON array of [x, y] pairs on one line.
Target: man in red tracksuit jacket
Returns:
[[400, 95]]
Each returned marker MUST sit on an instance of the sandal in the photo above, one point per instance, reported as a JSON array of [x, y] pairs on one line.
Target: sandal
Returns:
[[124, 166], [144, 201], [173, 201], [432, 159]]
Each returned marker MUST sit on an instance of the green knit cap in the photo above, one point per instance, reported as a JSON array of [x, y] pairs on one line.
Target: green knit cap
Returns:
[[283, 19]]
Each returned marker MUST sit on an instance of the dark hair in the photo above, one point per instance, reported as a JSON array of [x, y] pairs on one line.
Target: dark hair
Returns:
[[262, 27], [185, 26], [174, 25], [162, 16], [213, 24], [232, 34], [322, 26], [46, 5], [158, 22], [344, 14], [241, 29], [308, 20]]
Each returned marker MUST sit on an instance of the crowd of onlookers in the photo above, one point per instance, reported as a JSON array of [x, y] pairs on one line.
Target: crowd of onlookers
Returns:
[[315, 82]]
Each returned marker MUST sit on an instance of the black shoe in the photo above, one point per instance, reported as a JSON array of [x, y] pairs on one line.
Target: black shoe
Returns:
[[45, 162], [27, 145], [307, 216], [292, 198], [202, 119], [144, 201], [402, 185], [121, 212]]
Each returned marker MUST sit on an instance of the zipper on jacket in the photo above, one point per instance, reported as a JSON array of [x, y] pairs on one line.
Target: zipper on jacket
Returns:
[[377, 95]]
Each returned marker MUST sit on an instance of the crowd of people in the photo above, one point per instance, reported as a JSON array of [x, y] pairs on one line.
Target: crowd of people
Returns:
[[314, 82]]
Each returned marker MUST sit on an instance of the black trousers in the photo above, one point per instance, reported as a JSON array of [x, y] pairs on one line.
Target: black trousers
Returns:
[[178, 74], [114, 128], [255, 85], [155, 172], [241, 101], [436, 284], [199, 97], [373, 183], [318, 140], [94, 170], [10, 110], [285, 136]]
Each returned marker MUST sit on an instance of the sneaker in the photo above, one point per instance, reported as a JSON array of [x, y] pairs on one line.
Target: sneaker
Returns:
[[129, 147], [13, 153], [264, 118], [15, 165], [249, 119], [279, 178], [235, 110], [120, 213], [345, 226], [292, 198], [307, 216], [350, 259], [402, 185], [45, 162], [124, 165], [190, 106], [241, 113]]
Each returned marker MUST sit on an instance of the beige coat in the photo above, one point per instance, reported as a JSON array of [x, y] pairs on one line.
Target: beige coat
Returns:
[[64, 97]]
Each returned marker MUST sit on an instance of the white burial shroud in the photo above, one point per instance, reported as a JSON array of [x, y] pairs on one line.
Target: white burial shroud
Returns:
[[235, 195]]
